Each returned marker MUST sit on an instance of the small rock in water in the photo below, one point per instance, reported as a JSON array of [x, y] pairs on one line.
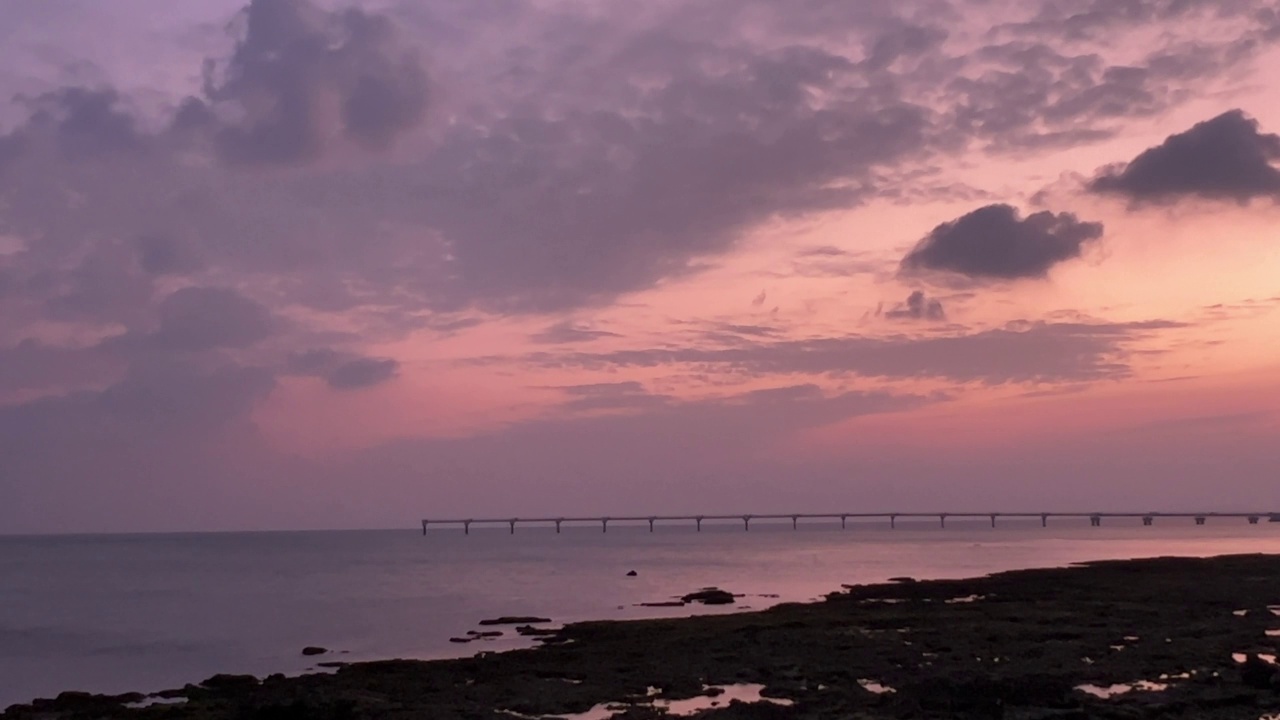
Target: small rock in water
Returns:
[[531, 631], [632, 573], [665, 603], [710, 596], [515, 620], [484, 634], [313, 650], [460, 639]]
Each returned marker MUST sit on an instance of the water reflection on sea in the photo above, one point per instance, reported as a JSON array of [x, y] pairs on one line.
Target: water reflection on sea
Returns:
[[142, 612]]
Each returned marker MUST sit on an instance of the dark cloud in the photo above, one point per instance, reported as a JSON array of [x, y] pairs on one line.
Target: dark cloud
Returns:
[[88, 122], [164, 255], [619, 396], [546, 213], [994, 242], [342, 370], [1027, 352], [33, 366], [1095, 19], [362, 373], [104, 286], [1225, 158], [301, 77], [917, 307], [156, 399], [205, 318], [567, 331], [152, 447], [565, 179]]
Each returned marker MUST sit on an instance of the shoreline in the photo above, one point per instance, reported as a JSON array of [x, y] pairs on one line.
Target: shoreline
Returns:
[[1020, 641]]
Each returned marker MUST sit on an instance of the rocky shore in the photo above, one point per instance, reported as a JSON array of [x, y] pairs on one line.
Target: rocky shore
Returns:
[[1167, 638]]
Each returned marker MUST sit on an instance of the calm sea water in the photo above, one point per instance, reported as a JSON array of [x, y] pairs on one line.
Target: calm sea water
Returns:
[[147, 612]]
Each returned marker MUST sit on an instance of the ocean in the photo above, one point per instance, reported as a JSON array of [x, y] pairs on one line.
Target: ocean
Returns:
[[116, 613]]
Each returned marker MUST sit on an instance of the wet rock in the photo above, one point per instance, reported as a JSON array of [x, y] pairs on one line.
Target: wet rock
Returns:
[[515, 620], [314, 650], [230, 682], [710, 596], [531, 631], [484, 633], [632, 573], [460, 639], [1257, 673], [665, 603]]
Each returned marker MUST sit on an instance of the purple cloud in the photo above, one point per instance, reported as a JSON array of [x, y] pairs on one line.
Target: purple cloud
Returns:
[[1225, 158], [995, 243]]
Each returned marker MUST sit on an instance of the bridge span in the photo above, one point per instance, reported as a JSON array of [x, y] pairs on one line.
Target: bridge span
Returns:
[[1095, 518]]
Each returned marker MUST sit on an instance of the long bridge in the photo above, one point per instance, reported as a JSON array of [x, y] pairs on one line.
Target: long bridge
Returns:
[[1095, 518]]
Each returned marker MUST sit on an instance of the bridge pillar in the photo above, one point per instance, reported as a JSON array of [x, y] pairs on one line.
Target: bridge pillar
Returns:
[[604, 524], [1148, 520], [1044, 519], [893, 521], [842, 519], [558, 525], [942, 521], [794, 521], [746, 522], [424, 527], [1253, 519], [513, 525], [1199, 519], [651, 524], [1095, 520], [699, 521], [466, 527], [993, 521]]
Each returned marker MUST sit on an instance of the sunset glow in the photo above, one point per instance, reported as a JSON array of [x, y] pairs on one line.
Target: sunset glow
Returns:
[[339, 264]]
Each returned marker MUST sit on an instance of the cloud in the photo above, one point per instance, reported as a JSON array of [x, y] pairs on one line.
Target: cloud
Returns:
[[620, 396], [994, 243], [362, 373], [207, 318], [917, 307], [1024, 352], [567, 331], [340, 370], [1225, 158], [300, 78], [165, 255]]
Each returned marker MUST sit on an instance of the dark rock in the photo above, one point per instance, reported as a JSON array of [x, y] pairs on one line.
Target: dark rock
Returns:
[[531, 631], [515, 620], [313, 650], [902, 579], [484, 633], [632, 573], [230, 682], [332, 664], [710, 596], [1257, 673], [667, 603], [1044, 622], [460, 639]]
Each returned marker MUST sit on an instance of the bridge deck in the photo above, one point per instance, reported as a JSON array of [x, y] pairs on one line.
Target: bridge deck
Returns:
[[1095, 518]]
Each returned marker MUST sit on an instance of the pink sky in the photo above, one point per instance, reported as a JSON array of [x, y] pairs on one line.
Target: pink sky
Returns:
[[306, 264]]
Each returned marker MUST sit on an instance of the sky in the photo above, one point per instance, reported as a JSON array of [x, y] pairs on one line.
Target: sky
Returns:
[[335, 264]]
